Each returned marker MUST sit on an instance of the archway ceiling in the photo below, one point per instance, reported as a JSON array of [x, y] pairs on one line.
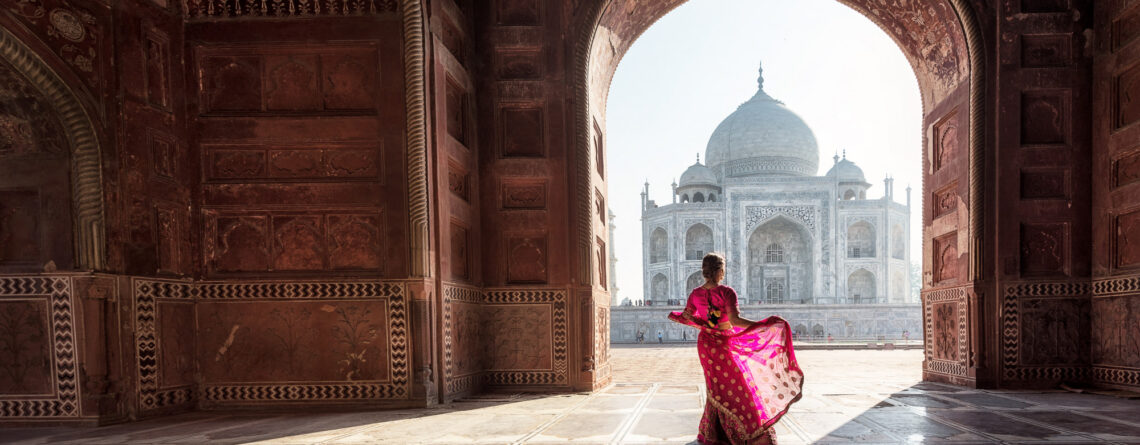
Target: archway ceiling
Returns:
[[927, 31]]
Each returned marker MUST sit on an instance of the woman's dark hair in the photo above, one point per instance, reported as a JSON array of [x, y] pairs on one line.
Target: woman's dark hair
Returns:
[[712, 263]]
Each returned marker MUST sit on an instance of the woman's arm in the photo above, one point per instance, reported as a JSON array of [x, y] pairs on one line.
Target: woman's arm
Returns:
[[739, 321]]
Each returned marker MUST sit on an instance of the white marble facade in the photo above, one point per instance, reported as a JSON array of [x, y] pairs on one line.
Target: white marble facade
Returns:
[[789, 237]]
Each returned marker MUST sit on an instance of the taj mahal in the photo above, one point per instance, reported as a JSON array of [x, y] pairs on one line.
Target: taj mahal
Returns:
[[816, 246]]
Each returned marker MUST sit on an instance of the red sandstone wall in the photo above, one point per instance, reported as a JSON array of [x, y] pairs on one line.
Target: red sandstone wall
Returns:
[[1115, 311]]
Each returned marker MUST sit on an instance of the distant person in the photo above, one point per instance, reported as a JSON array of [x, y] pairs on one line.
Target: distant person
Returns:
[[906, 336], [829, 337], [743, 403], [660, 336]]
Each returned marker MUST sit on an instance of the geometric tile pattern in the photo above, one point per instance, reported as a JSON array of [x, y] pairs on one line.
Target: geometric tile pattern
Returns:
[[559, 374], [58, 291], [148, 292]]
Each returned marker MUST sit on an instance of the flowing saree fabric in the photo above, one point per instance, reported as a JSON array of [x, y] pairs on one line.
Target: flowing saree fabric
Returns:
[[751, 373]]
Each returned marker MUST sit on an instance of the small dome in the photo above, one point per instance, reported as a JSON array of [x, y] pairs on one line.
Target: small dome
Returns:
[[763, 137], [846, 171], [698, 174]]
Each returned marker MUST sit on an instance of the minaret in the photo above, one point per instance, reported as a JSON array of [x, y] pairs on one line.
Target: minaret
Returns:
[[645, 197], [908, 196], [886, 188], [674, 191]]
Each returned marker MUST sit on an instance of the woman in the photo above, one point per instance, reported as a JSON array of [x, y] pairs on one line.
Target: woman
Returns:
[[750, 368]]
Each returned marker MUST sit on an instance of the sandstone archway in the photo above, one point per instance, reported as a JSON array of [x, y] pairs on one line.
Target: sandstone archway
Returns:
[[940, 39]]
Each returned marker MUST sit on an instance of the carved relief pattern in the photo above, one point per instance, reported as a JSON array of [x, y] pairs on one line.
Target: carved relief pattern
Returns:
[[1044, 248], [1044, 118], [946, 257], [156, 52], [1040, 319], [945, 141], [331, 239], [756, 215], [460, 256], [260, 9], [1046, 51], [300, 79], [1044, 184], [256, 162], [946, 351], [1126, 239], [1126, 169], [946, 200], [71, 31], [521, 132], [459, 182], [148, 292], [461, 347], [63, 400], [524, 196], [526, 262], [558, 373], [1127, 97]]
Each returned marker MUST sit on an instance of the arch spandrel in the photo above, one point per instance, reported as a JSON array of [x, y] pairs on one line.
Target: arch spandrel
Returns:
[[79, 131]]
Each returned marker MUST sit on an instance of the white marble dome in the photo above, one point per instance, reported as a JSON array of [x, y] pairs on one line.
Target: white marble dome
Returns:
[[763, 137], [698, 174], [846, 171]]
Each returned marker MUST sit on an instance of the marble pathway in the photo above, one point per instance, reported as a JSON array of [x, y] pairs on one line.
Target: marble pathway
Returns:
[[866, 397]]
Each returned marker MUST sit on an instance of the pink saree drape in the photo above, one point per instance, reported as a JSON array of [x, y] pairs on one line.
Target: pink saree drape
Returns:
[[751, 374]]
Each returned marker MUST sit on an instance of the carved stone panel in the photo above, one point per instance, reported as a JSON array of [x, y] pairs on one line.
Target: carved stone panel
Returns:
[[176, 349], [1046, 51], [232, 83], [1044, 118], [164, 154], [1127, 97], [945, 140], [157, 54], [298, 243], [1054, 331], [1044, 249], [520, 65], [1126, 28], [348, 81], [526, 259], [291, 83], [455, 109], [1116, 334], [1126, 169], [171, 222], [460, 255], [1044, 184], [521, 132], [1127, 239], [945, 334], [524, 195], [242, 244], [945, 257], [290, 341], [945, 200], [517, 337], [354, 241], [458, 181], [602, 263], [25, 347], [518, 12]]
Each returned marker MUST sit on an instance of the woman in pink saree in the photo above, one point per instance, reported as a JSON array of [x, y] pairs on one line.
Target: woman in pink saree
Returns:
[[750, 367]]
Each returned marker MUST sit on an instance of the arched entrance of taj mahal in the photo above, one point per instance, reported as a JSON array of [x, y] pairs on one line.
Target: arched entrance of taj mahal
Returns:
[[245, 204]]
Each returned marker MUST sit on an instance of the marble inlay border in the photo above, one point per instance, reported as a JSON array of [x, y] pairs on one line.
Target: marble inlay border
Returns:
[[58, 291]]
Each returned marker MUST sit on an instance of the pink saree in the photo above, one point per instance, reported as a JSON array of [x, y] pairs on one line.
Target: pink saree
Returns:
[[751, 374]]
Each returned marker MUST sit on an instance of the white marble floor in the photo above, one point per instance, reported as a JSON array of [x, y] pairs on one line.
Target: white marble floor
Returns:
[[865, 397]]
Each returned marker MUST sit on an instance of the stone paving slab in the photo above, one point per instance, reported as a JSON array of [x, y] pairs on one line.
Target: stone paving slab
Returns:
[[865, 397]]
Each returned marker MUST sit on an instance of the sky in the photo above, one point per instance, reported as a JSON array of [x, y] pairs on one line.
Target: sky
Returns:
[[831, 65]]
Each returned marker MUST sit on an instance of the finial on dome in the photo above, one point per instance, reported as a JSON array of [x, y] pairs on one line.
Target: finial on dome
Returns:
[[760, 77], [698, 158], [836, 158], [844, 154]]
